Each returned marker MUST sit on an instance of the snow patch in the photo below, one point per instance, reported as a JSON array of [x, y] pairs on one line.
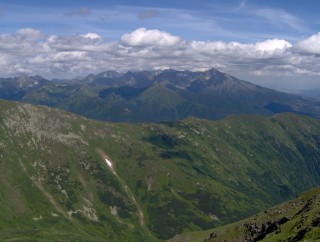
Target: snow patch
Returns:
[[108, 162]]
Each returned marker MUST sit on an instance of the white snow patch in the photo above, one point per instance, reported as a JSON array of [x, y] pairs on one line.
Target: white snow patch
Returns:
[[108, 162]]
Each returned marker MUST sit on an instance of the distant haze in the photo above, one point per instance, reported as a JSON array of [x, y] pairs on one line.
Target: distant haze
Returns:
[[289, 84]]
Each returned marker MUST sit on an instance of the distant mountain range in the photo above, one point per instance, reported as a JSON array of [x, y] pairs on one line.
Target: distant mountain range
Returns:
[[64, 177], [155, 96]]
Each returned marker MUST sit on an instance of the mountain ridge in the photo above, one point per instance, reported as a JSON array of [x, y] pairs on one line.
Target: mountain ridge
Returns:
[[112, 96]]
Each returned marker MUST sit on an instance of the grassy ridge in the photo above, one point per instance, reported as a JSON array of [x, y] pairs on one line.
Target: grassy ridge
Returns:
[[295, 220]]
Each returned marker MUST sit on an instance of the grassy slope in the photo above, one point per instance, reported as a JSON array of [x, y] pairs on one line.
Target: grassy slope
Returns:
[[295, 220], [185, 176], [153, 104], [48, 171]]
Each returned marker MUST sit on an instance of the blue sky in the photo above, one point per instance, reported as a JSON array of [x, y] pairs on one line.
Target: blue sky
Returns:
[[275, 43], [235, 20]]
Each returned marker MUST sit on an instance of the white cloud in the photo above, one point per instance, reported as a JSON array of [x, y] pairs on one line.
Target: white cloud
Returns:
[[29, 33], [91, 36], [33, 52], [272, 46], [310, 45], [263, 49], [144, 37]]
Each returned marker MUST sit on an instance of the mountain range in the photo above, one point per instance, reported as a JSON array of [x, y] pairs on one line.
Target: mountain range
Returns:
[[155, 96], [67, 177]]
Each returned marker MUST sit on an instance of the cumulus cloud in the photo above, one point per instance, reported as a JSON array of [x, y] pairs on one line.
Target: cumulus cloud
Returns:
[[273, 45], [310, 45], [147, 14], [265, 49], [91, 36], [79, 12], [30, 51], [144, 37], [29, 33]]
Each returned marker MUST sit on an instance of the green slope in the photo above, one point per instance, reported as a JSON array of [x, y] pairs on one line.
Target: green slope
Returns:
[[158, 103], [152, 104], [170, 178], [297, 220]]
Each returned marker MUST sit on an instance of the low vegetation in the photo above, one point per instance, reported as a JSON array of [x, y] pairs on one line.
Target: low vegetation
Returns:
[[170, 178]]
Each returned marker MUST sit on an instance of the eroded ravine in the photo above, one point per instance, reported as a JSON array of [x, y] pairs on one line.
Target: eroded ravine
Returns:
[[111, 167]]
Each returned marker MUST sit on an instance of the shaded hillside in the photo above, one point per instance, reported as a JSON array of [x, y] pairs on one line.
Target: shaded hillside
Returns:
[[165, 179], [297, 220], [156, 96]]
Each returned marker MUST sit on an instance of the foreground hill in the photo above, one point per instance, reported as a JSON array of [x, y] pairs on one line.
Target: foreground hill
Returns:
[[297, 220], [65, 177], [155, 96]]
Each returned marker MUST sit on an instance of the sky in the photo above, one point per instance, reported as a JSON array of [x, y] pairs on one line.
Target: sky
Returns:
[[271, 43]]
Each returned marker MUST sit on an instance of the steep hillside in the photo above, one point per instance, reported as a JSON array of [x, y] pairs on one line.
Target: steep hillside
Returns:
[[297, 220], [155, 96], [67, 177]]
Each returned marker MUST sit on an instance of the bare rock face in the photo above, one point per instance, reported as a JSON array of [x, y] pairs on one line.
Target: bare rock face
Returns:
[[257, 232]]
